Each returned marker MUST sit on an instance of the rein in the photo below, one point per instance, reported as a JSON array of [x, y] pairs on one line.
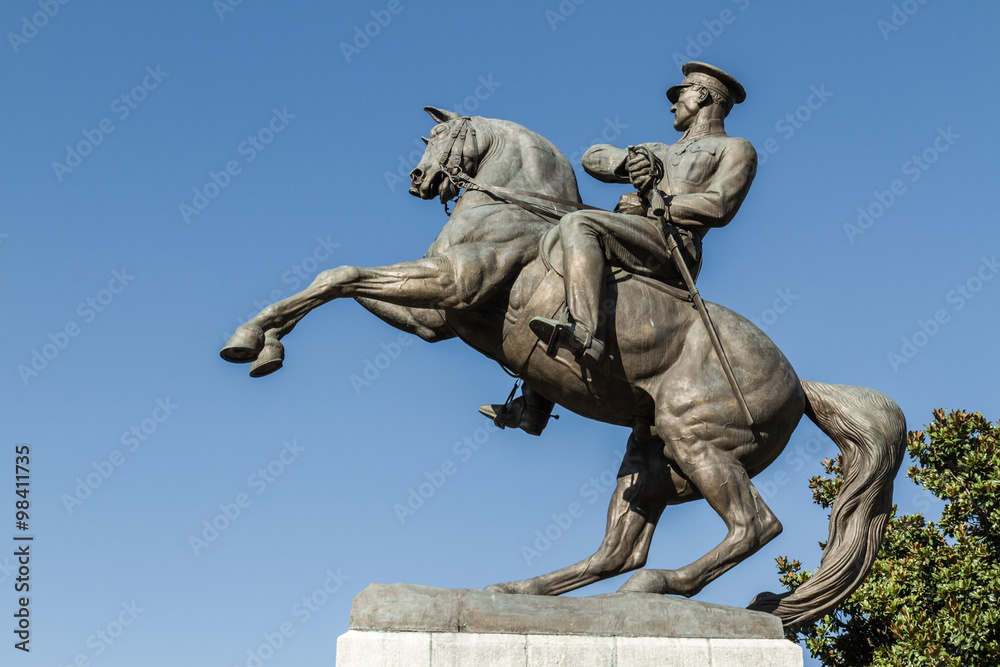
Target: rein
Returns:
[[450, 162]]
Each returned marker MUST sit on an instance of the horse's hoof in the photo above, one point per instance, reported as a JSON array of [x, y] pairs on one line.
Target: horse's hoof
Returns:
[[526, 587], [244, 345], [645, 581], [269, 359], [498, 588]]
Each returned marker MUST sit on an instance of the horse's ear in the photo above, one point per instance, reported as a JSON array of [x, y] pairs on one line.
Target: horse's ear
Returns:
[[425, 140], [441, 115]]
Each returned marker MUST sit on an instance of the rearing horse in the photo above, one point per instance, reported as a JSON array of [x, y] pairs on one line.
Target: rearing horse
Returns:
[[496, 264]]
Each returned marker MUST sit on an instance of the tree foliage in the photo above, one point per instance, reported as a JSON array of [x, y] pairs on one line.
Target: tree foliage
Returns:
[[933, 595]]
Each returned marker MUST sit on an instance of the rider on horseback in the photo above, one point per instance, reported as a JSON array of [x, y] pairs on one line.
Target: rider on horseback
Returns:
[[703, 178], [494, 266]]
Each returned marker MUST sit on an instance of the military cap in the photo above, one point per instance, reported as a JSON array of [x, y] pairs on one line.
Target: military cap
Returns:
[[708, 76]]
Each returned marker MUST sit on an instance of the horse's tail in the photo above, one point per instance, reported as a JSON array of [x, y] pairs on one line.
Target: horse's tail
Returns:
[[870, 430]]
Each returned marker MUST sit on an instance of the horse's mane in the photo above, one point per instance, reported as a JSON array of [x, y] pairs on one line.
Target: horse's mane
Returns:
[[558, 177]]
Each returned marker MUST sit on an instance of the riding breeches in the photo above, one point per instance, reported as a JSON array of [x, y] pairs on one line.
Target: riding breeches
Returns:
[[636, 243]]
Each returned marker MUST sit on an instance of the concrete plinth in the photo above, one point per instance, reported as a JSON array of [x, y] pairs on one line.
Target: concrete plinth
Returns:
[[420, 626]]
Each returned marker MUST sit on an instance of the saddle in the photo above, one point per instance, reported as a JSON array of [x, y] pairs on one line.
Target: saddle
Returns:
[[549, 300]]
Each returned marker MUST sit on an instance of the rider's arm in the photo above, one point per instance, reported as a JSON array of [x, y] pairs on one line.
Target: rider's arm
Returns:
[[606, 163], [729, 185]]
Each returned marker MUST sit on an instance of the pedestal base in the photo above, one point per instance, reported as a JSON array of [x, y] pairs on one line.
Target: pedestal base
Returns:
[[418, 626], [358, 648]]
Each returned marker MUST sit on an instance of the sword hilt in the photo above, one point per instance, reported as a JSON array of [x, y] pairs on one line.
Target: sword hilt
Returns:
[[657, 203]]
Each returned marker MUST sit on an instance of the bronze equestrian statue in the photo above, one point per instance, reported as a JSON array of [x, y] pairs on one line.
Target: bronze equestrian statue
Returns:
[[703, 420]]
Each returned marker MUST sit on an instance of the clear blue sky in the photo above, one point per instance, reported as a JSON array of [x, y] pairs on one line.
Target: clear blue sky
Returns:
[[121, 299]]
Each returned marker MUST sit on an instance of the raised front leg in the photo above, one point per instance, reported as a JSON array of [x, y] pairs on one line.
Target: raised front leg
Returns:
[[424, 322], [456, 280], [258, 341]]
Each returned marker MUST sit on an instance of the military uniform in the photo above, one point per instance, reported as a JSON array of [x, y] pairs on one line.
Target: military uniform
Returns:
[[706, 176]]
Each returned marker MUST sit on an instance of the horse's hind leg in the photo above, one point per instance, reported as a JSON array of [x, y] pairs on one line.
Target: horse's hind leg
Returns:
[[707, 461], [646, 485]]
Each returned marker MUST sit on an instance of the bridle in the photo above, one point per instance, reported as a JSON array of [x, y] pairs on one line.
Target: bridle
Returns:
[[450, 161]]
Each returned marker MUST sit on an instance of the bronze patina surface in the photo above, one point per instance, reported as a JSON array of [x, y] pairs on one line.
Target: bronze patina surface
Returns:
[[589, 309]]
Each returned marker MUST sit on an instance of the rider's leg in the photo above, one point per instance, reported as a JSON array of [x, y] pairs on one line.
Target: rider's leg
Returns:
[[590, 239], [583, 275], [583, 269]]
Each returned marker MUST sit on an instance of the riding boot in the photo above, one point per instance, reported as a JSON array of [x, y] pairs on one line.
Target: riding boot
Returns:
[[583, 266], [583, 269], [529, 412]]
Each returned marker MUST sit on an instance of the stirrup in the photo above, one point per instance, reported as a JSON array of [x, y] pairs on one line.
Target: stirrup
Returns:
[[588, 350]]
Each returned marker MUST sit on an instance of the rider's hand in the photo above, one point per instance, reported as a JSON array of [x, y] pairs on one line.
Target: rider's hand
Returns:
[[640, 171]]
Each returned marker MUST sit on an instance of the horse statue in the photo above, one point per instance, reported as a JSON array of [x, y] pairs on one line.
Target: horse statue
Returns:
[[497, 263]]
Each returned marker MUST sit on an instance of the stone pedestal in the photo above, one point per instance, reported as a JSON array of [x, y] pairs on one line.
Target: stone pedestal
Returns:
[[418, 626]]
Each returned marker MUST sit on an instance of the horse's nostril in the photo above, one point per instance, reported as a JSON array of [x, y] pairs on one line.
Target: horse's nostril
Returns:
[[416, 175]]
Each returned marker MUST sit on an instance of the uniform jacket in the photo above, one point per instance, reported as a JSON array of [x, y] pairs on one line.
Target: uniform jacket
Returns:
[[707, 174]]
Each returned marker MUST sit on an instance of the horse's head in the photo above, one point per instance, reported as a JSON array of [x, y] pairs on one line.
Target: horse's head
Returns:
[[496, 152], [454, 147]]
